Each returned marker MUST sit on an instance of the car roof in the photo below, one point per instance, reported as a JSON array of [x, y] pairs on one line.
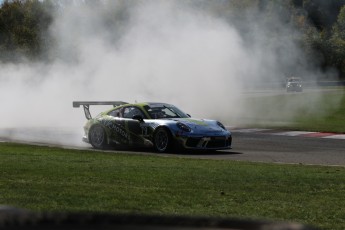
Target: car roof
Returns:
[[140, 104]]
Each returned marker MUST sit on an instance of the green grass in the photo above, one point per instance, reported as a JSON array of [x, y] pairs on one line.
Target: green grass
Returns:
[[53, 179], [312, 111]]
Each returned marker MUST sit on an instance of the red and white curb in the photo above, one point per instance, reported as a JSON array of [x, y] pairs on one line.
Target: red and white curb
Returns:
[[313, 134], [290, 133]]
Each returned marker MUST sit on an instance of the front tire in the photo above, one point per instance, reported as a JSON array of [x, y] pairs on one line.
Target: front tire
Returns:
[[162, 140], [97, 137]]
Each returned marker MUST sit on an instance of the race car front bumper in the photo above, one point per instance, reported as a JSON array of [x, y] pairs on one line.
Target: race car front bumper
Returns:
[[207, 143]]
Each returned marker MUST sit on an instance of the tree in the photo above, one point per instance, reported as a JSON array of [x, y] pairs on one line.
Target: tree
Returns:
[[320, 21], [323, 14], [22, 24], [337, 42]]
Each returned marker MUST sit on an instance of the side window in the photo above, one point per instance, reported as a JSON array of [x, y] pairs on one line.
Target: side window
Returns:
[[168, 113], [129, 112], [115, 113], [158, 113]]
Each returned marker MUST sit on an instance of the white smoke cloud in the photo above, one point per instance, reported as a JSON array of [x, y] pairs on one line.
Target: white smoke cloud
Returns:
[[164, 51]]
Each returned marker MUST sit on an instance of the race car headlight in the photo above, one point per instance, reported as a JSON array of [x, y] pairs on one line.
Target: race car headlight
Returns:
[[221, 125], [183, 127]]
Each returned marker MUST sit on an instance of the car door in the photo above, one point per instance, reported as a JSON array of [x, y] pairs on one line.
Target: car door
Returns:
[[134, 127]]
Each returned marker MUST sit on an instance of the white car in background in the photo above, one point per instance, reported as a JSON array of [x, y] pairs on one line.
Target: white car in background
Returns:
[[294, 84]]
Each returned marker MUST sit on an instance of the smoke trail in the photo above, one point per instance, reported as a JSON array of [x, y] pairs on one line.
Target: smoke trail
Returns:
[[165, 51]]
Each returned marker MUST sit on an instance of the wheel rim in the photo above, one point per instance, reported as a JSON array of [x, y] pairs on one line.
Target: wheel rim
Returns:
[[97, 136], [161, 140]]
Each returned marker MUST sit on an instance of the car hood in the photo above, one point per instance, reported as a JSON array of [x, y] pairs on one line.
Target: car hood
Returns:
[[294, 83], [201, 125]]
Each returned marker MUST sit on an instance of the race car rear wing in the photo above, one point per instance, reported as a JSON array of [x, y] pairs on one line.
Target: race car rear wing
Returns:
[[86, 105]]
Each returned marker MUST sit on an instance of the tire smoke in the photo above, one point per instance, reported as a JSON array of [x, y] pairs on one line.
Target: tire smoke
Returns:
[[167, 51]]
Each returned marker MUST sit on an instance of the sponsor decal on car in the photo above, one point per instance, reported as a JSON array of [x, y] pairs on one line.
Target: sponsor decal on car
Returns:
[[116, 128]]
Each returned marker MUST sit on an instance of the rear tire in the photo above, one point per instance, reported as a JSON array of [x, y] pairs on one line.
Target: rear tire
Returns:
[[162, 140], [97, 137]]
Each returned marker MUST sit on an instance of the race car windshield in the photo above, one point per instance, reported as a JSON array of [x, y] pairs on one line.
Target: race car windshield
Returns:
[[164, 111], [294, 80]]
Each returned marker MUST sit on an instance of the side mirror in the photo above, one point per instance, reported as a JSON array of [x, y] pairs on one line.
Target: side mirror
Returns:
[[138, 117]]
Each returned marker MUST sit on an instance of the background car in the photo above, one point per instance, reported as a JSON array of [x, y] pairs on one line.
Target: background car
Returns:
[[294, 84], [157, 125]]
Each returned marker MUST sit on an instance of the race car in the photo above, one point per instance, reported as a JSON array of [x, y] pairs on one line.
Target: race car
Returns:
[[161, 126], [294, 84]]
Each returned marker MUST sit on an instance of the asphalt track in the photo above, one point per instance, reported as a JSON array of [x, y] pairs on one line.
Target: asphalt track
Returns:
[[268, 147], [248, 145]]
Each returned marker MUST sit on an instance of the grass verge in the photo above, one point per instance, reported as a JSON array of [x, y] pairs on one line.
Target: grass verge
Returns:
[[320, 111], [53, 179]]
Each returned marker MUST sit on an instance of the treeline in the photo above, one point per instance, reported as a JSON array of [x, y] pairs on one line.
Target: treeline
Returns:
[[322, 24], [24, 27]]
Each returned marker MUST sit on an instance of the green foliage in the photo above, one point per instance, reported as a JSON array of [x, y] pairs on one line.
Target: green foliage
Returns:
[[23, 26], [322, 14], [325, 20], [337, 42]]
